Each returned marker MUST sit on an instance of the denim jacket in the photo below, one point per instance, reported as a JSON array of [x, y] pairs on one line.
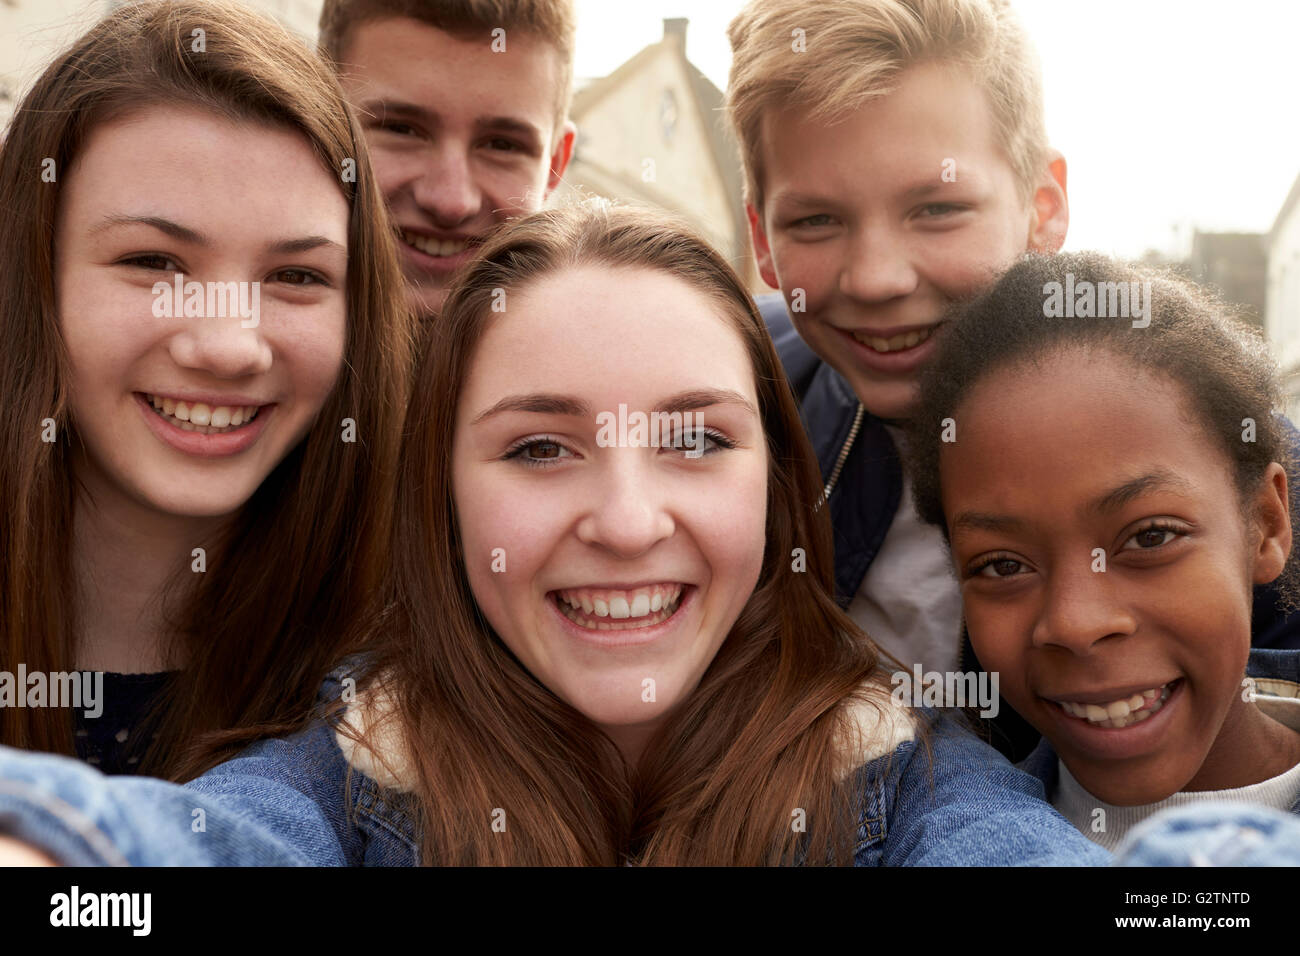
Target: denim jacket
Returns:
[[862, 469], [313, 799]]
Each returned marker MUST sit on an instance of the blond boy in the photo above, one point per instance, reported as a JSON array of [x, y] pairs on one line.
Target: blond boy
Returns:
[[896, 161]]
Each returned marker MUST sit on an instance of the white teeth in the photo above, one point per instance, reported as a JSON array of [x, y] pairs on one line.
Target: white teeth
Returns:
[[640, 607], [203, 418], [1122, 712], [434, 247], [896, 343]]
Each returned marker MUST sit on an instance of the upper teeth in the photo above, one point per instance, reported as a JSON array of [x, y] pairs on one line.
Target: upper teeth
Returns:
[[434, 247], [905, 341], [659, 600], [1121, 712], [199, 415]]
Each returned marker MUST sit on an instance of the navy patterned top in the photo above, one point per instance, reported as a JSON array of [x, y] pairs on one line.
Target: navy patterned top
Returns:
[[117, 739]]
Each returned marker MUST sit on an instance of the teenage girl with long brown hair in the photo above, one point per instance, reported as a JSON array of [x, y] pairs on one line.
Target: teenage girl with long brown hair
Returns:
[[196, 494], [601, 643]]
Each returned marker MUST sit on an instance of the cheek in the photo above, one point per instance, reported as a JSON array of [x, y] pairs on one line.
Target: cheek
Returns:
[[105, 327], [314, 358], [730, 528], [803, 266], [1000, 634], [507, 538], [514, 189]]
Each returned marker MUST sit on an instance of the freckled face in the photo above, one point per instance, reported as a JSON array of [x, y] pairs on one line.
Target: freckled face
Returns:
[[1080, 459], [156, 193], [671, 545]]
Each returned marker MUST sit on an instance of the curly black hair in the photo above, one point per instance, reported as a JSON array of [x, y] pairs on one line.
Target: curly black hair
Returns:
[[1188, 335]]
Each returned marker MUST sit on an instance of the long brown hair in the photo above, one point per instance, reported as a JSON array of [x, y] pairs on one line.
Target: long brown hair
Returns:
[[256, 633], [762, 736]]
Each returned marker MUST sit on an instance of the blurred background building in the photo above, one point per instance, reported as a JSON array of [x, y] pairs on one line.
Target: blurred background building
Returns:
[[653, 132], [1282, 313]]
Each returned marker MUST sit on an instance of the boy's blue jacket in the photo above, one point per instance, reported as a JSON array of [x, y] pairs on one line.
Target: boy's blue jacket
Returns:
[[312, 799], [1277, 689], [869, 484]]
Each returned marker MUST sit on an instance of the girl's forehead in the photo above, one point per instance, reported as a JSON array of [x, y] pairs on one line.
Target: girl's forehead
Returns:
[[609, 330]]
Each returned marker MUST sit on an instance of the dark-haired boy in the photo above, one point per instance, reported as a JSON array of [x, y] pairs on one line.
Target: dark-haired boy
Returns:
[[464, 104]]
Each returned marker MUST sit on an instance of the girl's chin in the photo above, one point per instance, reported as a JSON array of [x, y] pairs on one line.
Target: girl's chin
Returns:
[[220, 503]]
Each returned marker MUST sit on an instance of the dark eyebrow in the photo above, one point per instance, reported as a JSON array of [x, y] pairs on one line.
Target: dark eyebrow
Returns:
[[193, 237], [703, 398], [305, 244], [542, 403], [539, 403], [381, 109], [982, 521], [1106, 503], [173, 229], [508, 124], [1116, 498]]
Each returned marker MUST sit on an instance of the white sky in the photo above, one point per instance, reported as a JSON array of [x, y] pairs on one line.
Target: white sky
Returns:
[[1172, 114]]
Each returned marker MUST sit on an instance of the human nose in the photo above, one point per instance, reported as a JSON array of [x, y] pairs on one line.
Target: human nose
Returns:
[[445, 188], [878, 267], [629, 513], [1080, 609]]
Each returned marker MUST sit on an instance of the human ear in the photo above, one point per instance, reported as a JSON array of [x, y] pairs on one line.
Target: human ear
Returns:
[[1051, 208], [762, 249], [1273, 522], [563, 153]]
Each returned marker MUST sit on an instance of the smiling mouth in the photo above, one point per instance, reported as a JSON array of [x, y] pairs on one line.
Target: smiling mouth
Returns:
[[612, 609], [895, 343], [1124, 711], [201, 418], [434, 247]]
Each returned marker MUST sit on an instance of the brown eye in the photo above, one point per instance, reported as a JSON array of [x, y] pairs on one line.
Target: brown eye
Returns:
[[1000, 568], [1152, 537], [544, 449]]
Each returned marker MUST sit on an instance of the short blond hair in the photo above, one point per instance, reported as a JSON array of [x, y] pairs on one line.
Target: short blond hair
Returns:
[[551, 20], [854, 51]]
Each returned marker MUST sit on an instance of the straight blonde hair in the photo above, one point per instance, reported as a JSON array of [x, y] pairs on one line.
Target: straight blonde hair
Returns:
[[832, 56]]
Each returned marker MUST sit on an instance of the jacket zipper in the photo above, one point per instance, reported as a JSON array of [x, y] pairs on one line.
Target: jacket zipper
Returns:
[[844, 452]]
